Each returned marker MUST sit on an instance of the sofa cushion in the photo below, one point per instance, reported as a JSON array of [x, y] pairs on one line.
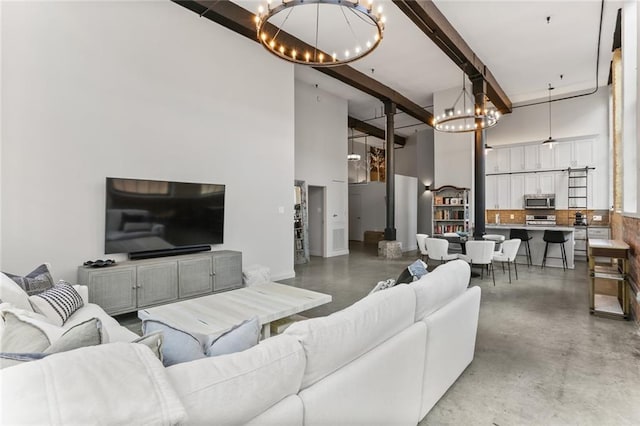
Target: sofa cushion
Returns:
[[116, 383], [334, 341], [36, 281], [439, 287], [57, 303], [233, 389], [11, 292]]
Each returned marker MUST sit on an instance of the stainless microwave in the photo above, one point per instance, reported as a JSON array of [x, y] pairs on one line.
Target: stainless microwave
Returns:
[[540, 201]]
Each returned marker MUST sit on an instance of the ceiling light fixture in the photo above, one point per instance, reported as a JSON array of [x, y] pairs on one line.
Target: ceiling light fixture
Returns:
[[462, 116], [352, 156], [487, 148], [550, 140], [320, 33]]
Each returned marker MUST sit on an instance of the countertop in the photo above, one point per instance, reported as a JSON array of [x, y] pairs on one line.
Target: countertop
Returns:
[[530, 227]]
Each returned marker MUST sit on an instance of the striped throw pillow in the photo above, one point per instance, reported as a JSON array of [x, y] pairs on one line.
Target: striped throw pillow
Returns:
[[58, 303]]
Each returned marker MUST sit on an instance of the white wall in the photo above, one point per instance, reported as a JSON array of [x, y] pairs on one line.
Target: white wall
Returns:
[[142, 90], [373, 210], [321, 157]]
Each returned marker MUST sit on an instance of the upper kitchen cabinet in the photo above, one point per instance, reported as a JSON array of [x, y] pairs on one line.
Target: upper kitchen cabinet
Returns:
[[516, 158], [538, 157], [575, 154], [498, 160]]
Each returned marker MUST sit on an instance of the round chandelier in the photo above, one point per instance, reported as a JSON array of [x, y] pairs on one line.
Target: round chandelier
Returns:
[[320, 33], [462, 116]]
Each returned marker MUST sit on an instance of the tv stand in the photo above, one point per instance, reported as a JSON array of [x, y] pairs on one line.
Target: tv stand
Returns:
[[149, 254], [132, 285]]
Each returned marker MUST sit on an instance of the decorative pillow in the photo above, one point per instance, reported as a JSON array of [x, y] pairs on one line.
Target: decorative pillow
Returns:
[[178, 345], [12, 293], [241, 337], [412, 272], [22, 336], [182, 346], [383, 285], [36, 281], [16, 351], [418, 269], [58, 303], [153, 341]]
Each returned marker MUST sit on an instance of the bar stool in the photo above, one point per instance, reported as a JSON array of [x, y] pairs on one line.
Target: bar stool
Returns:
[[524, 236], [555, 237]]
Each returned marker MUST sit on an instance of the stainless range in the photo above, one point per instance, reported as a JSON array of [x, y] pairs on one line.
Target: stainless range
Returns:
[[538, 219]]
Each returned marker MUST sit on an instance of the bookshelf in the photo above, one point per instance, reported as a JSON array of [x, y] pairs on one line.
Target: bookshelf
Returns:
[[450, 210]]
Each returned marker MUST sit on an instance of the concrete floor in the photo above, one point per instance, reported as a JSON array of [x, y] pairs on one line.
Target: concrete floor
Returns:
[[541, 358]]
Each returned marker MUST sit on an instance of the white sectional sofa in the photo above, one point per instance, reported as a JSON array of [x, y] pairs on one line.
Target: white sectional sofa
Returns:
[[387, 360]]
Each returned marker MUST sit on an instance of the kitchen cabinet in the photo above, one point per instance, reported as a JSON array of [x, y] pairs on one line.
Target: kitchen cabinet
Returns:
[[578, 153], [516, 159], [538, 157], [498, 160], [540, 183], [498, 192], [516, 192]]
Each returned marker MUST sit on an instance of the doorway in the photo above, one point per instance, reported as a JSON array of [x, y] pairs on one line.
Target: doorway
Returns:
[[355, 218], [317, 196]]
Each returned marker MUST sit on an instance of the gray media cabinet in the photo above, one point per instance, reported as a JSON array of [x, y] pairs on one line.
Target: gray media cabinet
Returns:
[[132, 285]]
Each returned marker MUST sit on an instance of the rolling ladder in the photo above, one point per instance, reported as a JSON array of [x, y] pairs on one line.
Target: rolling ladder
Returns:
[[578, 185], [578, 201]]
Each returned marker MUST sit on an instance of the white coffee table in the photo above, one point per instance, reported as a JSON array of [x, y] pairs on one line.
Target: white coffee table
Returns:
[[217, 313]]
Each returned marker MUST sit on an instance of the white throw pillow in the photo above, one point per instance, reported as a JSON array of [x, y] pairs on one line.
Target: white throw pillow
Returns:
[[12, 293]]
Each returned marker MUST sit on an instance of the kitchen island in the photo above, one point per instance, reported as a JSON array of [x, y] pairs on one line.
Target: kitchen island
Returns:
[[537, 244]]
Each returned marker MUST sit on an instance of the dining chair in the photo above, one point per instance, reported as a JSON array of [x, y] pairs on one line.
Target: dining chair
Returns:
[[499, 239], [421, 245], [438, 249], [480, 252], [508, 254]]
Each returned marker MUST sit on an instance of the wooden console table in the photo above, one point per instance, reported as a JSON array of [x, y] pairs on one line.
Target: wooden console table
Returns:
[[616, 270]]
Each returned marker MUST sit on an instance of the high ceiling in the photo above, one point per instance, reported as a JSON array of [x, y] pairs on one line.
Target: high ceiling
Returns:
[[513, 38]]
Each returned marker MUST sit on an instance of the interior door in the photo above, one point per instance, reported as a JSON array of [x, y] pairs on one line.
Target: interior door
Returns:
[[355, 217], [316, 220]]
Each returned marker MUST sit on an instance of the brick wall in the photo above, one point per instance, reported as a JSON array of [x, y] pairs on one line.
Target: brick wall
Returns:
[[628, 229], [563, 217]]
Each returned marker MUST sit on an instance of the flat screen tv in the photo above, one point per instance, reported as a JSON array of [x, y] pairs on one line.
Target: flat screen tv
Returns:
[[162, 217]]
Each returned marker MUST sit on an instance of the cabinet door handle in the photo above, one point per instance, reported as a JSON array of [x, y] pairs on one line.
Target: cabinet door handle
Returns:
[[139, 286]]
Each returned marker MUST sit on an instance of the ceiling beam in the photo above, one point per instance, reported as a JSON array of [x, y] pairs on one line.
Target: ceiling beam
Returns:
[[428, 18], [374, 131], [240, 20]]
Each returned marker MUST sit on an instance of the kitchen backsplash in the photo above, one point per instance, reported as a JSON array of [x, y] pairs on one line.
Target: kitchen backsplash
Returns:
[[563, 217]]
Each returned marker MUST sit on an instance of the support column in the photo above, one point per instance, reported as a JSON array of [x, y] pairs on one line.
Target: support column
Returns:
[[390, 230], [479, 88]]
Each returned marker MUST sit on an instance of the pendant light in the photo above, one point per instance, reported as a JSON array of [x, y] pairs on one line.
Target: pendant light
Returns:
[[550, 140], [352, 156]]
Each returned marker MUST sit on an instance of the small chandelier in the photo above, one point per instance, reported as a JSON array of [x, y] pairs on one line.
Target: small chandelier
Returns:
[[462, 116], [320, 33], [353, 156]]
